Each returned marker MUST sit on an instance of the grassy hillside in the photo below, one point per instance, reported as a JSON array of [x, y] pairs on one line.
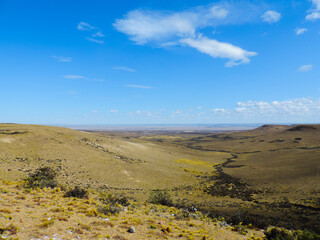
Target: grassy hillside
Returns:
[[99, 161], [47, 214], [266, 176]]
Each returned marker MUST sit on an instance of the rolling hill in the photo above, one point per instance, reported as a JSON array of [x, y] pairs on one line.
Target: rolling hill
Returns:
[[266, 176]]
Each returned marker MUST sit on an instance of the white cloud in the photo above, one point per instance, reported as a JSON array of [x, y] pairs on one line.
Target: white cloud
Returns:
[[316, 3], [215, 49], [314, 13], [313, 16], [96, 33], [219, 110], [279, 109], [271, 16], [73, 76], [293, 110], [305, 68], [299, 110], [219, 12], [182, 28], [114, 111], [122, 68], [300, 31], [95, 40], [145, 26], [143, 114], [83, 26], [62, 59], [179, 113], [139, 86]]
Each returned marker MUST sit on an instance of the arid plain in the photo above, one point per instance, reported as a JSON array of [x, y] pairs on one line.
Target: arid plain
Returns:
[[266, 176]]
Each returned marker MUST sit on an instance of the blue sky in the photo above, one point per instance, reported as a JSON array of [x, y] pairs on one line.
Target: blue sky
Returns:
[[159, 61]]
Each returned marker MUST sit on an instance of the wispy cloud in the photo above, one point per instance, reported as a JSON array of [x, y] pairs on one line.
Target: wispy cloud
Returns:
[[218, 110], [293, 110], [215, 49], [114, 111], [219, 12], [305, 68], [314, 12], [62, 59], [142, 113], [182, 28], [96, 34], [95, 40], [313, 16], [271, 16], [122, 68], [139, 86], [83, 26], [297, 107], [300, 31], [73, 76]]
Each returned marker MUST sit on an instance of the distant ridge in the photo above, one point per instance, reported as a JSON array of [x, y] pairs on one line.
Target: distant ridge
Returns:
[[304, 127], [272, 128]]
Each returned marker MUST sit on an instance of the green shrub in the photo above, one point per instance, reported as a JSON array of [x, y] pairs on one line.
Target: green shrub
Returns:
[[109, 209], [120, 199], [77, 192], [240, 229], [160, 197], [113, 204], [275, 233], [305, 234], [43, 177]]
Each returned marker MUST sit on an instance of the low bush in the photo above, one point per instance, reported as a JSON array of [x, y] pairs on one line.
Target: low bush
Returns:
[[113, 204], [11, 230], [120, 199], [275, 233], [77, 192], [43, 177], [110, 209], [160, 197]]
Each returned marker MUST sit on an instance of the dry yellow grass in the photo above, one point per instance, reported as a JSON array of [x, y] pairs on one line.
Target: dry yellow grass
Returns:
[[274, 174], [98, 161], [46, 214]]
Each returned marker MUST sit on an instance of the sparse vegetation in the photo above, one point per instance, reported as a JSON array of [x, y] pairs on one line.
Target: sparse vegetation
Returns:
[[275, 233], [110, 209], [113, 204], [45, 223], [228, 175], [10, 229], [115, 199], [160, 197], [44, 177], [77, 192]]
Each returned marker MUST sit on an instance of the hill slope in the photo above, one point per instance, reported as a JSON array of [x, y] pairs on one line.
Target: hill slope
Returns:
[[266, 176], [97, 161]]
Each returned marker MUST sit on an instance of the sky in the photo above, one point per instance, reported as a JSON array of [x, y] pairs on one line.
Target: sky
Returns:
[[159, 61]]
